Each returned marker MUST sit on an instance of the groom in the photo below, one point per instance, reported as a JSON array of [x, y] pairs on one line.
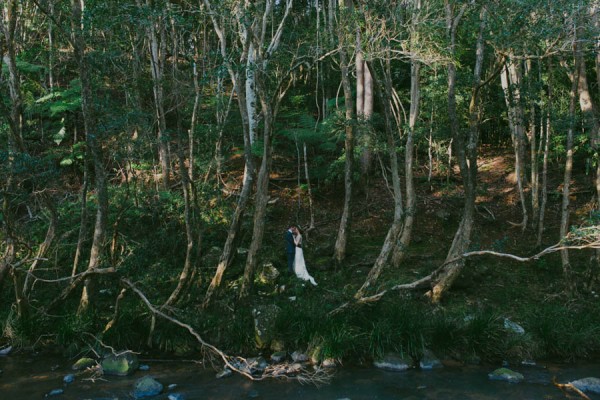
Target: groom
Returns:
[[290, 246]]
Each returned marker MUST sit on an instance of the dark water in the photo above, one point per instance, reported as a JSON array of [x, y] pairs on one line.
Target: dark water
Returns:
[[31, 377]]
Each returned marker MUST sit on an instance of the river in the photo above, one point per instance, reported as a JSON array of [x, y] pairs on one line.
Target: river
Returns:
[[33, 376]]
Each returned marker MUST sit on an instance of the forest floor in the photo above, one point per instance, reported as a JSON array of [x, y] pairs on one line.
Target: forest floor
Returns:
[[439, 209], [532, 293]]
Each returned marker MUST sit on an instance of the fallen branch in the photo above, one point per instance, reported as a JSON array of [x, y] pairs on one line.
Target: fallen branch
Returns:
[[569, 386], [589, 241], [234, 363]]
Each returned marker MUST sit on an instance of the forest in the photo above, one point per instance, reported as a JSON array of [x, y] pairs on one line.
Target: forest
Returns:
[[440, 158]]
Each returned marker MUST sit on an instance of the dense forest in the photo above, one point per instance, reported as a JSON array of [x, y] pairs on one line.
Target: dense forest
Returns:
[[440, 157]]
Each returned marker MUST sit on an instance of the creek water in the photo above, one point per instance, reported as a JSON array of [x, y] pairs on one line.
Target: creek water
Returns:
[[34, 376]]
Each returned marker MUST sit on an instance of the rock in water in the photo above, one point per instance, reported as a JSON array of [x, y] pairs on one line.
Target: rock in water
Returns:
[[505, 374], [393, 362], [5, 351], [69, 378], [224, 374], [429, 360], [587, 384], [55, 392], [146, 387], [121, 365]]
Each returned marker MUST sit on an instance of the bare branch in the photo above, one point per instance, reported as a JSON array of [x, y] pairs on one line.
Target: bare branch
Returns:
[[236, 364]]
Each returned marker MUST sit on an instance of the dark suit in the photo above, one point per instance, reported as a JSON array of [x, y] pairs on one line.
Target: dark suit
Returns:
[[290, 248]]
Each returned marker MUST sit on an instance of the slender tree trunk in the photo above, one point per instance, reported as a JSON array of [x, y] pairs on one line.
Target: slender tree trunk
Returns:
[[564, 220], [310, 197], [411, 197], [342, 236], [511, 81], [186, 182], [544, 196], [467, 156], [384, 92], [81, 237], [156, 39], [533, 148], [14, 137], [260, 206], [364, 105], [8, 27], [236, 219], [95, 151]]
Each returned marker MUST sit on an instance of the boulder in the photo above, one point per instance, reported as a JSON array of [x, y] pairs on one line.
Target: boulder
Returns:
[[121, 365], [299, 357], [5, 351], [279, 356], [70, 378], [146, 386], [83, 363], [224, 374], [505, 374], [268, 274], [393, 362], [265, 317], [591, 385]]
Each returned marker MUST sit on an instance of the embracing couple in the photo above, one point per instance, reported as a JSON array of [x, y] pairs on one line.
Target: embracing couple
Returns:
[[295, 254]]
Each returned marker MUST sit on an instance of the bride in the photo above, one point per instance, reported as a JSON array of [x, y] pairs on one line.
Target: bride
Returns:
[[299, 264]]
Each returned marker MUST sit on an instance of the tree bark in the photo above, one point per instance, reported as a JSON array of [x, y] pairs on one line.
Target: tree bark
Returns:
[[511, 81], [339, 253], [384, 93], [564, 220], [95, 151], [466, 149]]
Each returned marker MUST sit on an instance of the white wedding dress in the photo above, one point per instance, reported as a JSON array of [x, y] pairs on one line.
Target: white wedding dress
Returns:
[[299, 264]]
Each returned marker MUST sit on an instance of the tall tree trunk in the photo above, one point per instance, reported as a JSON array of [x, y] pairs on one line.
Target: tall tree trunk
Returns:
[[415, 104], [546, 152], [8, 27], [14, 140], [384, 93], [187, 184], [364, 105], [339, 252], [533, 146], [511, 82], [236, 219], [564, 220], [155, 33], [260, 202], [95, 150], [466, 153], [269, 115]]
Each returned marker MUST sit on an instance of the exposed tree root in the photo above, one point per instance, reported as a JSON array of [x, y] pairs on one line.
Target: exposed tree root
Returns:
[[238, 364]]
